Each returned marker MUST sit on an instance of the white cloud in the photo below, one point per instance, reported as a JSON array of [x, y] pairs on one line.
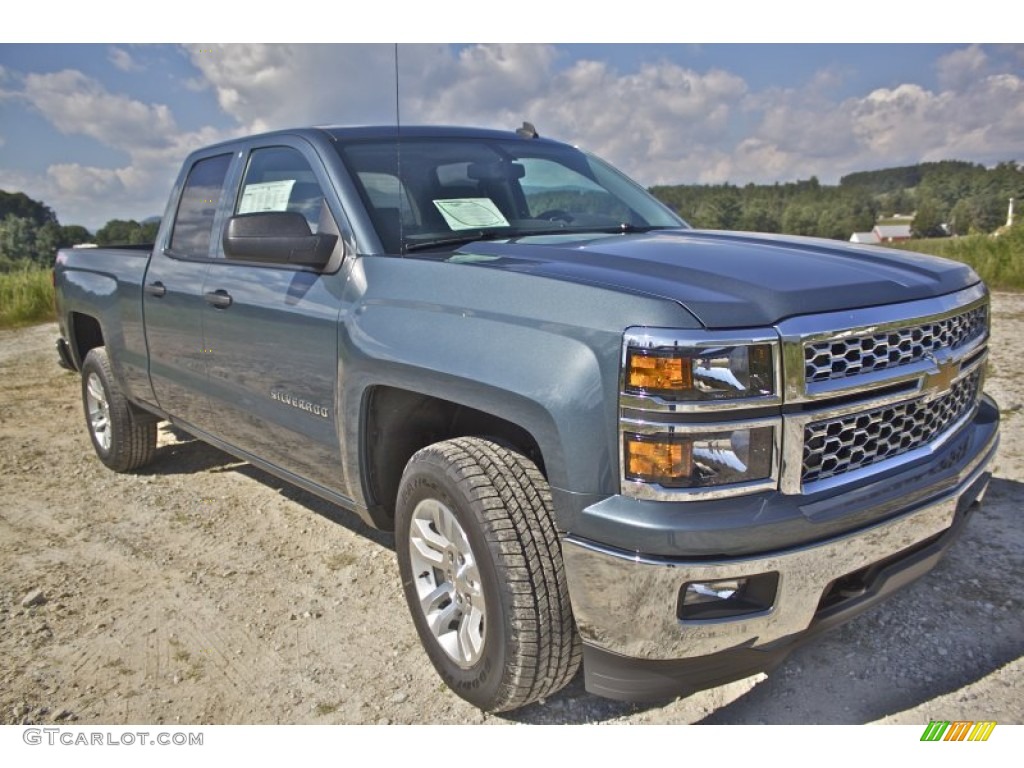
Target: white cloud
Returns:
[[440, 85], [75, 103], [267, 87], [77, 181], [5, 75], [147, 133], [664, 123], [798, 133], [910, 123], [655, 123], [123, 60], [959, 69], [620, 116]]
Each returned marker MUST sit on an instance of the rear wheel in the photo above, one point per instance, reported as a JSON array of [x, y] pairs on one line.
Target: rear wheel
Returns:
[[123, 436], [482, 571]]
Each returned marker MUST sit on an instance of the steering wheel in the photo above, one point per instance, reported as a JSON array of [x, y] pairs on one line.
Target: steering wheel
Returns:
[[556, 214]]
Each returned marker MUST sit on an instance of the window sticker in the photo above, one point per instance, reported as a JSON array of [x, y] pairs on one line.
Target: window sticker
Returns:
[[267, 196], [471, 213]]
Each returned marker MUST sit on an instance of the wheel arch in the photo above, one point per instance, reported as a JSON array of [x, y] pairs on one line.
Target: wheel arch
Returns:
[[399, 422], [86, 334]]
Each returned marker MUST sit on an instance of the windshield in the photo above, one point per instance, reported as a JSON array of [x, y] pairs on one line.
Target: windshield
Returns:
[[444, 192]]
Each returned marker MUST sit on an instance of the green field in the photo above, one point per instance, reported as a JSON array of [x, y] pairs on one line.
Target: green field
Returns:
[[26, 296], [999, 261]]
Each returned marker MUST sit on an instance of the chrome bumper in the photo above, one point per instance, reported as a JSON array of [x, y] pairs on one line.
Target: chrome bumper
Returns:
[[627, 604]]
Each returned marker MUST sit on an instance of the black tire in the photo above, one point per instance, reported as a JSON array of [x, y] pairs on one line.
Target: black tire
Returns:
[[501, 502], [123, 436]]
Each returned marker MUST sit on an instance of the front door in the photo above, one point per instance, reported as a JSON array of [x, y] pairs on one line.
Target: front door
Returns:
[[272, 337]]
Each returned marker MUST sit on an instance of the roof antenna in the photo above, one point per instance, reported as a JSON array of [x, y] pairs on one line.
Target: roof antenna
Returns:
[[527, 131], [398, 155]]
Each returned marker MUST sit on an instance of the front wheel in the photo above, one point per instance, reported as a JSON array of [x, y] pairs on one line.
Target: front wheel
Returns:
[[482, 572]]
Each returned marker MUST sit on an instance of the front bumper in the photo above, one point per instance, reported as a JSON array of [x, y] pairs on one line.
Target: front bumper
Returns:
[[627, 605]]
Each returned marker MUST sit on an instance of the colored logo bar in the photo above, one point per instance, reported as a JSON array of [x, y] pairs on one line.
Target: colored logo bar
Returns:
[[958, 730]]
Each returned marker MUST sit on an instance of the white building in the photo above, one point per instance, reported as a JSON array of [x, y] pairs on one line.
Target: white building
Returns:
[[865, 238]]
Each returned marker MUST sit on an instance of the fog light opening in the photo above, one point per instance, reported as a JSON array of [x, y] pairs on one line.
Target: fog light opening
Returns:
[[728, 598]]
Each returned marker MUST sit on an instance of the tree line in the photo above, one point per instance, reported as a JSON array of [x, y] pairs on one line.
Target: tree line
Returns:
[[30, 233], [945, 198]]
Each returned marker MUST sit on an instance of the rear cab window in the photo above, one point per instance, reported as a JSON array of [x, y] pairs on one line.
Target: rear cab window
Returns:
[[197, 208]]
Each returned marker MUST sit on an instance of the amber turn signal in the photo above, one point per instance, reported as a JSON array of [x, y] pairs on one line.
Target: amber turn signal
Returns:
[[651, 372], [690, 373], [711, 455], [666, 463]]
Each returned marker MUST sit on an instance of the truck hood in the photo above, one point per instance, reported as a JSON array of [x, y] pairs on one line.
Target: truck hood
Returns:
[[730, 280]]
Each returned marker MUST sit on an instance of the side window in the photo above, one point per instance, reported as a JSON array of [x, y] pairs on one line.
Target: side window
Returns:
[[280, 179], [194, 220]]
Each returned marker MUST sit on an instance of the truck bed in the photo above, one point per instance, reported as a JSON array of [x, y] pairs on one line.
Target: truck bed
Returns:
[[106, 283]]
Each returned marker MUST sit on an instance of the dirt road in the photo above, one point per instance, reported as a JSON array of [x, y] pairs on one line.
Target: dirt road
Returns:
[[203, 590]]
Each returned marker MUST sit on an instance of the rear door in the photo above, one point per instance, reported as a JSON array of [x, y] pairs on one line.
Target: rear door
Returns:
[[272, 337], [172, 297]]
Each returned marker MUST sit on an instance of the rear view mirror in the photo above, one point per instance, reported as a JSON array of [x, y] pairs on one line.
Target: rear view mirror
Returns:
[[277, 237], [496, 171]]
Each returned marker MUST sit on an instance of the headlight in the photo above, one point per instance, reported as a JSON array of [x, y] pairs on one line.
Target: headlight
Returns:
[[699, 413], [707, 370], [700, 457]]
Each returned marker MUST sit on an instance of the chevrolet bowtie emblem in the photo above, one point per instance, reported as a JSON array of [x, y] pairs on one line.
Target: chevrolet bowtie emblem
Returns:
[[938, 380]]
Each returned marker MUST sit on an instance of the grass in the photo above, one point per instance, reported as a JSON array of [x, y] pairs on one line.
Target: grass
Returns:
[[999, 261], [194, 667], [26, 297]]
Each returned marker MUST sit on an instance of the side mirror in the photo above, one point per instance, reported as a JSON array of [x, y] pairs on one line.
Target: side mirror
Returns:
[[277, 237]]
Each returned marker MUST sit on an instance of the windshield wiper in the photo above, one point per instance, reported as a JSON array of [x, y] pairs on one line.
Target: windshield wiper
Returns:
[[466, 238], [460, 240]]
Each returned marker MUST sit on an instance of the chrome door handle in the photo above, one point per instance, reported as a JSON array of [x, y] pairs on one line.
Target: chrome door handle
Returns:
[[220, 299]]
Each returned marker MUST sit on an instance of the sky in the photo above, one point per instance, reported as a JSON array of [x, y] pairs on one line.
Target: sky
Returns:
[[98, 130]]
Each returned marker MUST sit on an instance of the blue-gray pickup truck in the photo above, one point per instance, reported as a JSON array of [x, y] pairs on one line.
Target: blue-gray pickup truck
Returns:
[[601, 437]]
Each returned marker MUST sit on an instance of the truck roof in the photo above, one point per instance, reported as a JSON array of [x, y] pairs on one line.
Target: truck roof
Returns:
[[343, 133]]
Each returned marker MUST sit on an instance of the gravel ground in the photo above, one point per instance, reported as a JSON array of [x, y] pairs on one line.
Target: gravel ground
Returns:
[[202, 590]]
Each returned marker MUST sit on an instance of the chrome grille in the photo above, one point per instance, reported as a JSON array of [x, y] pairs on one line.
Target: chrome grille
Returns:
[[865, 353], [847, 443]]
